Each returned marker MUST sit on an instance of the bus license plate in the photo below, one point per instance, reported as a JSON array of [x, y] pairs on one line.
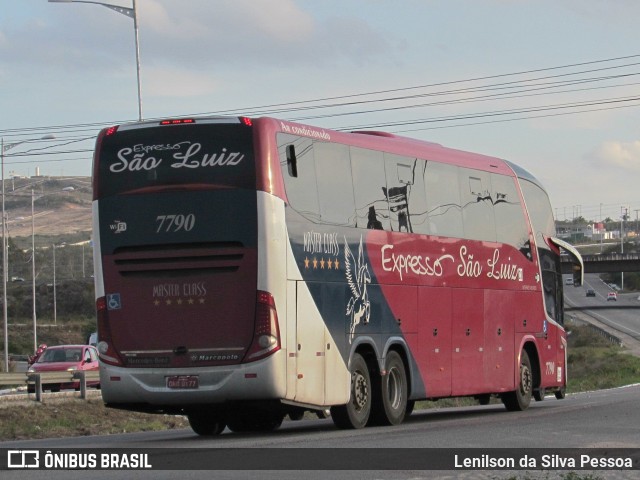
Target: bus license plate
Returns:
[[182, 381]]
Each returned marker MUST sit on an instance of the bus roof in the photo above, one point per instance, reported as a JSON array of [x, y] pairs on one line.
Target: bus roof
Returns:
[[390, 143]]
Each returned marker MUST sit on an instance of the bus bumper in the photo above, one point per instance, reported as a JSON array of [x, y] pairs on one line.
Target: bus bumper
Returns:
[[265, 379]]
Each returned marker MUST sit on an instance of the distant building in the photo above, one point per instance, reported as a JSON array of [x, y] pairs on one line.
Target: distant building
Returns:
[[595, 232]]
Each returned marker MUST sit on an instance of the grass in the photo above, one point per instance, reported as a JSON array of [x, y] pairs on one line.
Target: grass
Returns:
[[593, 364], [68, 417]]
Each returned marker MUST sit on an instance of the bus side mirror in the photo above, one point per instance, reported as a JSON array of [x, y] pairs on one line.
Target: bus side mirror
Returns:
[[292, 161], [577, 276], [576, 260]]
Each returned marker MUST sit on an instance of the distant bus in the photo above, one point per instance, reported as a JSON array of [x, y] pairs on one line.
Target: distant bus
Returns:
[[249, 269]]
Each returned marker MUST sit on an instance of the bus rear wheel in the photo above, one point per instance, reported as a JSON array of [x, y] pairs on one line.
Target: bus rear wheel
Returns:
[[205, 423], [390, 399], [355, 414], [521, 398]]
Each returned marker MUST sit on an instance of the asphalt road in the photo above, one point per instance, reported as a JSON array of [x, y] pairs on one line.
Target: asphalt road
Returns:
[[603, 419], [621, 317]]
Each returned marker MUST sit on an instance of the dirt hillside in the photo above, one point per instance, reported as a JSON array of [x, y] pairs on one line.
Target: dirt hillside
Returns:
[[61, 205]]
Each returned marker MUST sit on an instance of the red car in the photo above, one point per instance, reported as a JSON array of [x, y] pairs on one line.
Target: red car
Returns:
[[66, 358]]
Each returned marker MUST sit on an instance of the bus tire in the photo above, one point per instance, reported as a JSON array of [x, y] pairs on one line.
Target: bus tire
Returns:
[[521, 398], [296, 415], [561, 393], [390, 400], [411, 404], [205, 423], [355, 414]]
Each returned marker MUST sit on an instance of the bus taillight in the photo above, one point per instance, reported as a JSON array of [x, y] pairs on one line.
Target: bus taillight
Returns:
[[266, 333], [111, 130], [105, 344]]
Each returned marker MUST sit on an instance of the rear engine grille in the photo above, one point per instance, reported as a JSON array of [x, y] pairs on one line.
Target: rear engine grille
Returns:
[[180, 259]]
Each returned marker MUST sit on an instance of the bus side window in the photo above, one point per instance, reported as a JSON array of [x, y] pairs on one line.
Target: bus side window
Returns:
[[511, 224], [443, 200], [407, 194], [477, 205], [335, 185], [301, 188], [372, 210]]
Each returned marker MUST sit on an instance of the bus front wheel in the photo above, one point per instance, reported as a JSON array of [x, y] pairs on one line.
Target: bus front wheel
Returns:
[[355, 414], [521, 397]]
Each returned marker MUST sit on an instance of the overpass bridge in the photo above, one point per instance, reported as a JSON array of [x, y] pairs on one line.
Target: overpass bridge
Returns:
[[604, 263]]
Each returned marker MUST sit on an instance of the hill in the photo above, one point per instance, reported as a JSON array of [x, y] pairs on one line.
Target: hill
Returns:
[[61, 206], [64, 297]]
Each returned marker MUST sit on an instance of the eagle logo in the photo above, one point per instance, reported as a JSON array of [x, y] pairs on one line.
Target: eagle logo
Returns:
[[357, 273]]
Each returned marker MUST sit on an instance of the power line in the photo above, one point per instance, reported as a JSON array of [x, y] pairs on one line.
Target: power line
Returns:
[[257, 109], [452, 82], [492, 113], [481, 98], [528, 117]]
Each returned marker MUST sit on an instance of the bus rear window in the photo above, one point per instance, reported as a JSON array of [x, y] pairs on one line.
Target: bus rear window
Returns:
[[139, 157]]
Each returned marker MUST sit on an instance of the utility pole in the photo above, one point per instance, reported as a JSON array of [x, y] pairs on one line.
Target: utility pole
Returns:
[[602, 229], [623, 217]]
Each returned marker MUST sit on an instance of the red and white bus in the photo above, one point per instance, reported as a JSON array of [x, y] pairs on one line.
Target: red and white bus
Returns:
[[248, 269]]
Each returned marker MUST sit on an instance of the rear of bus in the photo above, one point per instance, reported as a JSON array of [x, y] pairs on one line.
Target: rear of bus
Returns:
[[183, 315]]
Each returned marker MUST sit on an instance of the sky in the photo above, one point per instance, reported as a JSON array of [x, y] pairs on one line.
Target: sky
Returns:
[[551, 85]]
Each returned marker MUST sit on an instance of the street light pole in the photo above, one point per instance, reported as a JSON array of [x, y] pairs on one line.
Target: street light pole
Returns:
[[602, 229], [33, 272], [3, 148], [135, 28], [131, 13], [4, 264], [55, 306]]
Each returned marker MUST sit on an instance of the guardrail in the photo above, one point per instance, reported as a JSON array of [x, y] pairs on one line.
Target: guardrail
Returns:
[[600, 331], [46, 378]]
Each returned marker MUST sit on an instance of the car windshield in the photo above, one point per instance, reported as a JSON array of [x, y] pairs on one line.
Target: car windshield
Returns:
[[61, 355]]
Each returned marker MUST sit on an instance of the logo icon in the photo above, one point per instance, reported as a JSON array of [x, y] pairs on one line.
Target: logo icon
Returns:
[[118, 227], [358, 277], [23, 459], [113, 301]]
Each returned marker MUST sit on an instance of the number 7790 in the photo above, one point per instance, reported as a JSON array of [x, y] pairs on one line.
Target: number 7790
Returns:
[[175, 223]]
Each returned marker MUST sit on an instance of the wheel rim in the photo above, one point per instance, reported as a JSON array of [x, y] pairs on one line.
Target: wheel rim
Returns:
[[526, 380], [394, 388], [360, 391]]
